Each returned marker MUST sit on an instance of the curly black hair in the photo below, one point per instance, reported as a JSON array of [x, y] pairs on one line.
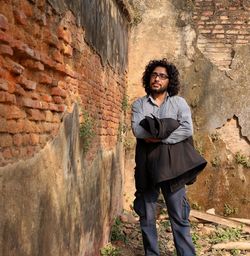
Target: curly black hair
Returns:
[[173, 73]]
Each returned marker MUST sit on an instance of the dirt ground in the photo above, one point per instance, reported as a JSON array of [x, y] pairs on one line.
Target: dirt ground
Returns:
[[126, 237]]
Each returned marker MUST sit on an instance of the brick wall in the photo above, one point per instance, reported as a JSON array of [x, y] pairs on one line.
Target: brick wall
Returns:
[[222, 25], [46, 66]]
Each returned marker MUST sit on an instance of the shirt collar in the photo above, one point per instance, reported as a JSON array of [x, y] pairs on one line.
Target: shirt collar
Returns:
[[151, 99]]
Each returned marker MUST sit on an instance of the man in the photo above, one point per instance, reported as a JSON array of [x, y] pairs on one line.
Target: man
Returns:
[[161, 83]]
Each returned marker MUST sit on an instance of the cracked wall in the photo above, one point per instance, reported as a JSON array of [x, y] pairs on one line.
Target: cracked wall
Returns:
[[61, 192], [215, 81]]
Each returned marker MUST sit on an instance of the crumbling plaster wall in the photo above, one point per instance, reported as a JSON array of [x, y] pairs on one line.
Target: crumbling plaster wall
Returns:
[[215, 86], [60, 63], [54, 204]]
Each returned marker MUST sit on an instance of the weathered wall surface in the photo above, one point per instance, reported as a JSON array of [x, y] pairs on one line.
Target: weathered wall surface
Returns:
[[53, 205], [209, 42], [57, 199]]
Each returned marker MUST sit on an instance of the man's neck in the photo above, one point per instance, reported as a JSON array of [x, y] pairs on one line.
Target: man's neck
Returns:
[[159, 97]]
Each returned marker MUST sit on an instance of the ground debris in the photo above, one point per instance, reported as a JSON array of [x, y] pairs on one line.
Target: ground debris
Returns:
[[233, 245], [206, 235]]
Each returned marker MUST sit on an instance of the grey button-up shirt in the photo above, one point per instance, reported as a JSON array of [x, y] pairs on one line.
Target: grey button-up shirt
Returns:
[[174, 107]]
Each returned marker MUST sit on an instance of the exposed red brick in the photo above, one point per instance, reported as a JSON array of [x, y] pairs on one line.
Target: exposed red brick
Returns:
[[54, 83], [5, 140], [204, 18], [45, 59], [218, 31], [34, 139], [11, 87], [27, 102], [44, 78], [67, 50], [61, 108], [11, 126], [35, 65], [65, 34], [62, 84], [205, 31], [20, 17], [6, 50], [26, 139], [15, 152], [43, 139], [55, 128], [5, 38], [56, 91], [52, 107], [207, 13], [7, 153], [33, 95], [3, 22], [11, 112], [220, 36], [23, 49], [27, 84], [30, 126], [7, 97], [223, 17], [232, 32], [14, 67], [57, 56], [35, 114], [241, 41], [17, 139], [56, 118], [51, 39], [46, 98], [58, 99], [48, 116], [31, 150], [3, 84]]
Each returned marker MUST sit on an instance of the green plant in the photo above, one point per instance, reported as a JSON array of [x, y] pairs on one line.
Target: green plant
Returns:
[[195, 239], [110, 250], [129, 143], [229, 210], [165, 224], [235, 252], [87, 131], [195, 206], [223, 235], [117, 232], [125, 103], [242, 159]]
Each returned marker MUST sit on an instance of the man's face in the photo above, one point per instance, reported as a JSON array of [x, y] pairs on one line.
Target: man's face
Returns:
[[159, 80]]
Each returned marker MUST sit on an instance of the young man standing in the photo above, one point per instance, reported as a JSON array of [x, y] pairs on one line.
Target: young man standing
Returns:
[[161, 83]]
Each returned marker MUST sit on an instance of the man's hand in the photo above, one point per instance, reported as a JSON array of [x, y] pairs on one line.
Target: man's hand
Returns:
[[152, 140]]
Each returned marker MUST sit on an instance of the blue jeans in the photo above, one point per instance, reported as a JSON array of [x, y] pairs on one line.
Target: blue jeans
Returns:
[[178, 211]]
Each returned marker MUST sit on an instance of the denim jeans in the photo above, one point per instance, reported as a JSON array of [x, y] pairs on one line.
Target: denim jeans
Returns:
[[178, 211]]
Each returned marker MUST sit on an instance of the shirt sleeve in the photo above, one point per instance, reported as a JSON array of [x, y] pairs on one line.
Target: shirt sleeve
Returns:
[[185, 129], [137, 115]]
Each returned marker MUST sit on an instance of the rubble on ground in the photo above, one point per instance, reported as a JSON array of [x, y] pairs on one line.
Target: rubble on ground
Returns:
[[212, 235]]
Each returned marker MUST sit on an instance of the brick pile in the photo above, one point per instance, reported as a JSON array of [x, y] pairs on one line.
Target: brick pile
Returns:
[[222, 25], [45, 67]]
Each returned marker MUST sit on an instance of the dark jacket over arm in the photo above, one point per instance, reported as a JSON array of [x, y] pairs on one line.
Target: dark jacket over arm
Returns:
[[177, 163]]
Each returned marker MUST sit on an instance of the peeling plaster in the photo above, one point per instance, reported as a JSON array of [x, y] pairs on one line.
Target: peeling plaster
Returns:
[[230, 133]]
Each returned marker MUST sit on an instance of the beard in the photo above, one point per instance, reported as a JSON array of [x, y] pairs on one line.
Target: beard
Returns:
[[159, 90]]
